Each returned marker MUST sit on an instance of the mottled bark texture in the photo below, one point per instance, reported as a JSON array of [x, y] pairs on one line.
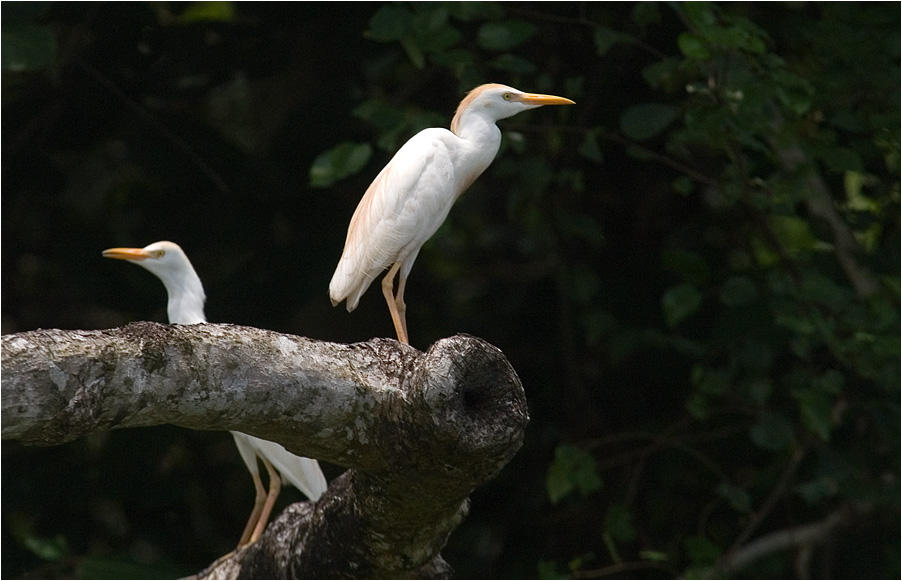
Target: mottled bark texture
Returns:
[[418, 430]]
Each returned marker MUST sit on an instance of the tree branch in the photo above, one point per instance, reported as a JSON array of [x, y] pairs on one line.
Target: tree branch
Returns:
[[419, 430], [800, 536]]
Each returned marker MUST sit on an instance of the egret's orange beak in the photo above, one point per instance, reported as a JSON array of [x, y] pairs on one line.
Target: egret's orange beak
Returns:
[[126, 253], [538, 99]]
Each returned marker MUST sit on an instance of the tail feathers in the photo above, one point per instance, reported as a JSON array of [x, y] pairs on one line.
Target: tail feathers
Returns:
[[304, 473]]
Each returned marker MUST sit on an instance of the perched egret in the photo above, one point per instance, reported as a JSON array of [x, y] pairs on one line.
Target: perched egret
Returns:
[[411, 196], [186, 306]]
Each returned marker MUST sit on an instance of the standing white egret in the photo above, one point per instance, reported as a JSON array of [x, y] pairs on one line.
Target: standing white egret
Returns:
[[186, 306], [411, 196]]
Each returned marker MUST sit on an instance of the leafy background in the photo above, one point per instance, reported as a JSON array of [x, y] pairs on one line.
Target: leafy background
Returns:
[[694, 270]]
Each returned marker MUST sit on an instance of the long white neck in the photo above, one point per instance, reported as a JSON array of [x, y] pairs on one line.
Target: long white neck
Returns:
[[482, 138], [186, 297]]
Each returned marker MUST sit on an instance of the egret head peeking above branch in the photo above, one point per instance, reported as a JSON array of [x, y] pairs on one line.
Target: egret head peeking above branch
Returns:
[[412, 195]]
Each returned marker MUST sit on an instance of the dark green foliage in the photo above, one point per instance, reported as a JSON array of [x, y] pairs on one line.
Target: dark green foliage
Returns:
[[694, 270]]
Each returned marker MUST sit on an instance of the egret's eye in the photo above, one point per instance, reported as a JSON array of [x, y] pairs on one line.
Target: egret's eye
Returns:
[[157, 253], [507, 96]]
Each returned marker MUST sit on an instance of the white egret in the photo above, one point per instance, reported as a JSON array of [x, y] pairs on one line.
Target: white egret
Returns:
[[186, 306], [411, 196]]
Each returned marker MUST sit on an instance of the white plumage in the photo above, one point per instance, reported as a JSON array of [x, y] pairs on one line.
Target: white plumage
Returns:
[[412, 195], [186, 306]]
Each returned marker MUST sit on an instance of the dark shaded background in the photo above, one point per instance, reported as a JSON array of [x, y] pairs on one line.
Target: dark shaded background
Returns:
[[701, 371]]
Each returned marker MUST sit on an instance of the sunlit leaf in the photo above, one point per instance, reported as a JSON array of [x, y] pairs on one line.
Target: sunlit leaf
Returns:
[[209, 12], [48, 549], [693, 47]]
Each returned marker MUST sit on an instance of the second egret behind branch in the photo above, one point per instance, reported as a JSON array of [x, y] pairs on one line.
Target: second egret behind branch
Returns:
[[186, 306]]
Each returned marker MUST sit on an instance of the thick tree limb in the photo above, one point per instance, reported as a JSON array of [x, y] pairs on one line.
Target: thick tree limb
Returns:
[[419, 430]]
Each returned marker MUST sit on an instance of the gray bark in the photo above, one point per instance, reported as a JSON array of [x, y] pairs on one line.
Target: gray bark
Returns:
[[418, 431]]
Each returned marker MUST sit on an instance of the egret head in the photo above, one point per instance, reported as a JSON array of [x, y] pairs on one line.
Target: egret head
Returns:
[[500, 101], [165, 259], [170, 264]]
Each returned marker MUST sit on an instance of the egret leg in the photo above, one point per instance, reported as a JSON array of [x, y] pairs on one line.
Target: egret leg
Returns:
[[275, 486], [255, 513], [396, 305]]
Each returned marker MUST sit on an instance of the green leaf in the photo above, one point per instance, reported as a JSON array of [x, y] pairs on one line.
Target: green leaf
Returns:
[[48, 549], [737, 291], [414, 51], [431, 28], [504, 35], [453, 57], [709, 380], [27, 47], [549, 570], [697, 406], [341, 161], [468, 11], [816, 407], [772, 432], [589, 147], [647, 120], [738, 497], [389, 23], [618, 523], [679, 302], [700, 15], [605, 38], [209, 12], [817, 490], [701, 550], [794, 233], [690, 266], [513, 64], [693, 47], [645, 13], [842, 159], [683, 185], [662, 73], [379, 114], [658, 556], [572, 469]]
